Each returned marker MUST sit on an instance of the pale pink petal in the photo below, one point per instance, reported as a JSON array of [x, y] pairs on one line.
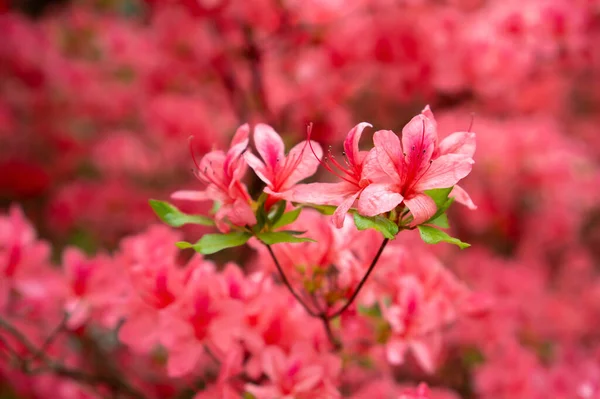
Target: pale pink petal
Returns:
[[419, 138], [379, 168], [429, 115], [395, 351], [235, 163], [425, 354], [379, 198], [458, 143], [273, 363], [183, 359], [139, 331], [445, 172], [340, 213], [323, 193], [299, 164], [190, 195], [308, 378], [259, 392], [241, 213], [388, 143], [269, 145], [241, 135], [462, 197], [351, 143], [422, 208], [259, 168]]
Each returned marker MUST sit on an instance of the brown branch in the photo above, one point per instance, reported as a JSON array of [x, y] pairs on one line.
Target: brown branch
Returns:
[[362, 281], [55, 367], [288, 285]]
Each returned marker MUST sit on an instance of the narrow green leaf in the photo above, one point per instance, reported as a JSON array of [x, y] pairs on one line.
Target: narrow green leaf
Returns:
[[211, 243], [277, 211], [324, 209], [275, 237], [385, 226], [431, 235], [371, 311], [440, 221], [287, 218], [184, 245], [174, 217]]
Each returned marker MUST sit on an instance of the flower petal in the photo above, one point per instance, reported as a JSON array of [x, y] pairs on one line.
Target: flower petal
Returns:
[[351, 143], [462, 197], [419, 138], [422, 208], [389, 152], [379, 198], [299, 164], [259, 168], [458, 143], [191, 195], [340, 213], [241, 135], [323, 193], [269, 145], [445, 171]]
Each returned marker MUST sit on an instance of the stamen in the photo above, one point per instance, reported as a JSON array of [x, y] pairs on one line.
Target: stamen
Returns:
[[472, 120], [324, 162], [190, 139]]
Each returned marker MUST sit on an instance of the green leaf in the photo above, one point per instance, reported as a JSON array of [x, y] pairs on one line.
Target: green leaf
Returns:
[[277, 212], [371, 311], [440, 221], [385, 226], [287, 218], [174, 217], [439, 195], [211, 243], [324, 209], [431, 235], [275, 237]]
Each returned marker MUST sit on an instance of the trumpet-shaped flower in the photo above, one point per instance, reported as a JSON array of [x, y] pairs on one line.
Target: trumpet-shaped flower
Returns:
[[352, 184], [222, 173], [280, 172], [402, 169]]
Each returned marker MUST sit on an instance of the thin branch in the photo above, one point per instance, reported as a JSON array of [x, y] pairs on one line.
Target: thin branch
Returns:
[[288, 285], [52, 366], [336, 344], [362, 281]]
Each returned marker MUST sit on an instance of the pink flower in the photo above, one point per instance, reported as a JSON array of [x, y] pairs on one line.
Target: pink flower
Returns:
[[222, 174], [344, 193], [206, 316], [297, 375], [280, 172], [97, 289], [401, 170]]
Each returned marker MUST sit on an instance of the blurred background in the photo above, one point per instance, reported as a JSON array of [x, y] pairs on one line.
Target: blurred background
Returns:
[[99, 97]]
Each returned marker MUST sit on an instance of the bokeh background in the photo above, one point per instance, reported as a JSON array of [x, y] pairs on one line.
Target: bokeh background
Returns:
[[99, 97]]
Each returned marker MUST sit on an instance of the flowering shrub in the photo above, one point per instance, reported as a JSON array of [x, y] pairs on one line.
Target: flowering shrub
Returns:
[[295, 260]]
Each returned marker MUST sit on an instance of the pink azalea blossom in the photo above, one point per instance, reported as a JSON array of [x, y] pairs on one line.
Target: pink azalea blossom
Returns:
[[222, 173], [345, 192], [298, 375], [280, 172], [401, 170]]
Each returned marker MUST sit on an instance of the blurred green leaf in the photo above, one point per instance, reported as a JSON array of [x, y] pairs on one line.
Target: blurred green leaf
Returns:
[[174, 217], [276, 237], [212, 243]]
